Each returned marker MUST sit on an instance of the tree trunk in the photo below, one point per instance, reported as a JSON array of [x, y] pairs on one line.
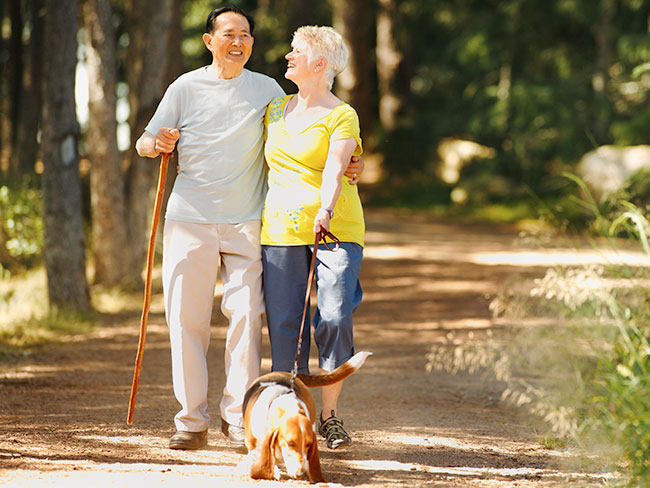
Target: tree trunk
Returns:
[[27, 147], [175, 68], [4, 99], [351, 20], [600, 79], [149, 28], [299, 13], [64, 236], [388, 61], [106, 179], [174, 65], [15, 78]]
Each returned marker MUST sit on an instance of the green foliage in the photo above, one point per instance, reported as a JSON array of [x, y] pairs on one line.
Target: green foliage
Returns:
[[636, 191], [485, 199], [275, 25], [574, 206], [612, 378], [620, 404], [583, 367], [578, 209], [25, 320], [21, 217], [195, 14], [519, 77], [552, 442], [52, 327], [415, 191]]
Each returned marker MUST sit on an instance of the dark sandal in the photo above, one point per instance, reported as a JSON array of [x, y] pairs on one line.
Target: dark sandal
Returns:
[[332, 430]]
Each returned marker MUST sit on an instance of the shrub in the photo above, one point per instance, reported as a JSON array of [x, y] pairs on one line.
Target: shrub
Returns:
[[584, 366], [21, 227]]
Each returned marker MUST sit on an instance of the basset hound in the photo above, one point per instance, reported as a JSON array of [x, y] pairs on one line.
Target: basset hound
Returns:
[[280, 422]]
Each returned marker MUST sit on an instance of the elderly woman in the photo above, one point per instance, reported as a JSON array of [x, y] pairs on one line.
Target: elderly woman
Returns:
[[311, 136]]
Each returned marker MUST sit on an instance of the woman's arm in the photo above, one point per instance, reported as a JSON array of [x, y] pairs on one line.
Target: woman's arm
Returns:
[[338, 159]]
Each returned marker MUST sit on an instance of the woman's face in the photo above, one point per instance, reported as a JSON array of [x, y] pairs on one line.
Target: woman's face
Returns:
[[300, 61]]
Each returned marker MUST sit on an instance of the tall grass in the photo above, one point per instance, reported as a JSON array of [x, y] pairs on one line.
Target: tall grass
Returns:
[[25, 318], [577, 352]]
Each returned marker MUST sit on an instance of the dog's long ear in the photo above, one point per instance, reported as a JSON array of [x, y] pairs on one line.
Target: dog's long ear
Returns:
[[315, 471], [263, 468]]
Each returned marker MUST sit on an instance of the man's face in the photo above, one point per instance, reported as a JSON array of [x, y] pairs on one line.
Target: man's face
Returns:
[[231, 42]]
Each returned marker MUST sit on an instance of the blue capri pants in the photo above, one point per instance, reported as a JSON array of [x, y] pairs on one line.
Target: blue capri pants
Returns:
[[286, 269]]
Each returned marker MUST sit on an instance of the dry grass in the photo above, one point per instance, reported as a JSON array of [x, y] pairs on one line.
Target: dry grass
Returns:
[[25, 318]]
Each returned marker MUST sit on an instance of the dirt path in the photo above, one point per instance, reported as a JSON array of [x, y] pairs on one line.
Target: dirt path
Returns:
[[63, 409]]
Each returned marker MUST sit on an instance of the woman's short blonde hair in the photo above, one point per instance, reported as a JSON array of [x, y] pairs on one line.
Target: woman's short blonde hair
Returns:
[[326, 42]]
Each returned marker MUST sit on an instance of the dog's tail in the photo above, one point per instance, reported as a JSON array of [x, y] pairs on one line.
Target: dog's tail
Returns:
[[339, 374]]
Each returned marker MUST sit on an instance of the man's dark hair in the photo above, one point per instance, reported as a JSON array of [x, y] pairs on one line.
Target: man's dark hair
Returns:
[[212, 17]]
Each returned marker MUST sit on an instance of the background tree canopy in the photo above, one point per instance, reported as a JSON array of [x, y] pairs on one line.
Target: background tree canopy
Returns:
[[529, 86]]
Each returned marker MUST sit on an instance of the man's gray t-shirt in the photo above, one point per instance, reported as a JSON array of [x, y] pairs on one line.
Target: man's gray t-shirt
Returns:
[[221, 122]]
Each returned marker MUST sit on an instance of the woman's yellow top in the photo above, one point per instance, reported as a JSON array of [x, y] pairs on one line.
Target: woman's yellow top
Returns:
[[296, 161]]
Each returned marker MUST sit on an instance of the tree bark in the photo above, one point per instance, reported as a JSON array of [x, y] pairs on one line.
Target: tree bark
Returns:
[[4, 164], [388, 60], [600, 79], [351, 20], [27, 147], [15, 79], [149, 28], [64, 236], [175, 68], [106, 180]]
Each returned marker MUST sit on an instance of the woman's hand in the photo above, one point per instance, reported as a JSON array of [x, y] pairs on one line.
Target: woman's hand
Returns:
[[322, 221]]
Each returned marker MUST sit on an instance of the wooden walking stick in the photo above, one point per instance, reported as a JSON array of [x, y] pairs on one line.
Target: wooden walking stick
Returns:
[[162, 177]]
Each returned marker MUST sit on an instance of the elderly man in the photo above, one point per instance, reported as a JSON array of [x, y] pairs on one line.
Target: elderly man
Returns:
[[215, 115]]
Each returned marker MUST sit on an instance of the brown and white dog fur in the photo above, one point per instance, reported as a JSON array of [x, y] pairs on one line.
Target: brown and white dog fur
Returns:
[[280, 422]]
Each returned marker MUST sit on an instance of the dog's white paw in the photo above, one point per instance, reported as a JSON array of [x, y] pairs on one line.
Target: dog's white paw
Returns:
[[245, 465], [276, 473]]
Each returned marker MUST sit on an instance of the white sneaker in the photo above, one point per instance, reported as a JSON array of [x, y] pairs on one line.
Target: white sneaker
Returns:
[[234, 433]]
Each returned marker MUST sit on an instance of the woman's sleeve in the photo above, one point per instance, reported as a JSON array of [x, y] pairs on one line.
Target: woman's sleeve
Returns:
[[346, 126]]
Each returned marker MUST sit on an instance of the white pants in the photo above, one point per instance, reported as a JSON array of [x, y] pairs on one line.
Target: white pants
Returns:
[[192, 256]]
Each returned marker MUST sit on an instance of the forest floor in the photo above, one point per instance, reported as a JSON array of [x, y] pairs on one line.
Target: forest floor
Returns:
[[63, 407]]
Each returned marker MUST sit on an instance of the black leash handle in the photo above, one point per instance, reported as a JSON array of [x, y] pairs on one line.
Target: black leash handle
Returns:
[[320, 236]]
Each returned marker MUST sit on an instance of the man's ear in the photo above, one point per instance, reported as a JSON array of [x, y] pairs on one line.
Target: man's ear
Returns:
[[207, 39]]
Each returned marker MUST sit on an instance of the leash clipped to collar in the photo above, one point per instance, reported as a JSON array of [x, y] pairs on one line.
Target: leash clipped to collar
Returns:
[[162, 177], [320, 236]]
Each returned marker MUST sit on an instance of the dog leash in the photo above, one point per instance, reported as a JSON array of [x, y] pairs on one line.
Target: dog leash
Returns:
[[162, 177], [320, 236]]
